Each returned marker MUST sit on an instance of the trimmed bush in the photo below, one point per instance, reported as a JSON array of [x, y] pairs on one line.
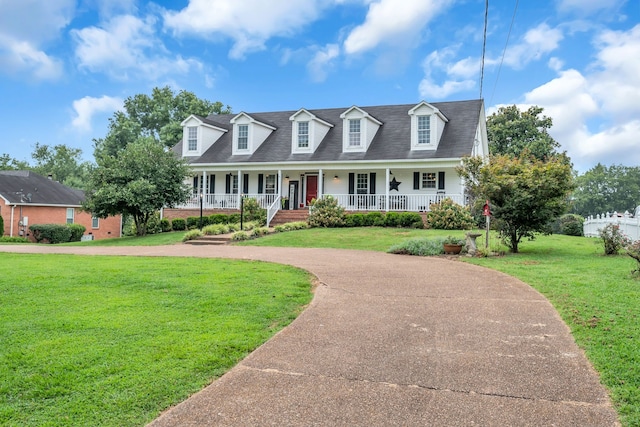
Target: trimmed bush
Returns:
[[240, 235], [448, 215], [215, 229], [354, 220], [420, 247], [374, 219], [218, 219], [410, 220], [326, 213], [165, 225], [53, 233], [233, 218], [569, 224], [178, 224], [193, 222], [9, 239], [77, 231], [612, 239], [392, 219]]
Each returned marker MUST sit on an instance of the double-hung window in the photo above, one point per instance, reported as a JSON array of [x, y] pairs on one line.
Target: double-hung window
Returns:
[[354, 132], [362, 183], [424, 129], [303, 134], [243, 137], [234, 184], [95, 222], [270, 184], [192, 138], [70, 215], [428, 180]]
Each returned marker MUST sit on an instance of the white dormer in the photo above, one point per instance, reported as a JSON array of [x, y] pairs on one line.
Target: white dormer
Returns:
[[248, 134], [198, 135], [307, 131], [427, 125], [359, 128]]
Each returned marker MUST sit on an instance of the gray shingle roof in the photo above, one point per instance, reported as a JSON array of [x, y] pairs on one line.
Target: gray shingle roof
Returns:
[[16, 186], [392, 141]]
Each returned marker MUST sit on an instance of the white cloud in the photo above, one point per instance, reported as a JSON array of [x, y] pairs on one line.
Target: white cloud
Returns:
[[25, 25], [127, 44], [249, 23], [392, 21], [85, 108], [322, 61], [595, 113], [536, 42], [440, 60]]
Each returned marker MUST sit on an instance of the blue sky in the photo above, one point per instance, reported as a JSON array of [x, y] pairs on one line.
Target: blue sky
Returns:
[[67, 65]]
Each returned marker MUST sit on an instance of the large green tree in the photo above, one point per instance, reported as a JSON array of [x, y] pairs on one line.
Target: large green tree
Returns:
[[138, 181], [511, 132], [63, 163], [8, 163], [157, 116], [607, 189], [525, 194]]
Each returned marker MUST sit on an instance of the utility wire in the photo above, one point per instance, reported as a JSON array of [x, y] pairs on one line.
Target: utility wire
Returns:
[[484, 44], [513, 18]]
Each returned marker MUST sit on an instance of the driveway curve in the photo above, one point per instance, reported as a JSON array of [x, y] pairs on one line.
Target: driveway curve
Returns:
[[394, 340]]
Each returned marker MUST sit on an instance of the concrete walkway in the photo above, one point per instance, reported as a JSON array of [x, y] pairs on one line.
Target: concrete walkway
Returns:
[[395, 340]]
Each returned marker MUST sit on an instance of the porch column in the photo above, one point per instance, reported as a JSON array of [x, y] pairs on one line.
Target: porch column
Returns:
[[205, 186], [240, 187], [386, 190], [320, 181], [279, 192]]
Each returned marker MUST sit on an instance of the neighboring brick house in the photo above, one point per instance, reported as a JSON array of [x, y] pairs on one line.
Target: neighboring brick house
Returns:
[[27, 198]]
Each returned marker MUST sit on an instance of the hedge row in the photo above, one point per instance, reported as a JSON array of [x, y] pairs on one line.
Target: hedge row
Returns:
[[57, 233]]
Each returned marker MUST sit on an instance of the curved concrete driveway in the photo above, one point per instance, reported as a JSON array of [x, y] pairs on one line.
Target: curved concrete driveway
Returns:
[[397, 340]]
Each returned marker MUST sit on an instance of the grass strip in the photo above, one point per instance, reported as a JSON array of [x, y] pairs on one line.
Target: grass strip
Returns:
[[115, 340]]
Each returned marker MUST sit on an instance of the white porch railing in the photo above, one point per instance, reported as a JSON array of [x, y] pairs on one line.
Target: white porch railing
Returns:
[[227, 201], [273, 209], [397, 202], [629, 225]]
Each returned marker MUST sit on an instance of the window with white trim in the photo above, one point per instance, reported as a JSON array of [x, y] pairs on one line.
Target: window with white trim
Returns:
[[428, 180], [243, 137], [362, 183], [354, 132], [192, 138], [303, 134], [95, 222], [70, 215], [424, 129], [234, 184], [270, 184]]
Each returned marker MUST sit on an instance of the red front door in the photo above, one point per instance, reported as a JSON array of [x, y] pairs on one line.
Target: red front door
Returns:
[[312, 188]]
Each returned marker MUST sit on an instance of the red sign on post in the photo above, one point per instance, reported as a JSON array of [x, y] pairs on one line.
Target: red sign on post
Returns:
[[485, 210]]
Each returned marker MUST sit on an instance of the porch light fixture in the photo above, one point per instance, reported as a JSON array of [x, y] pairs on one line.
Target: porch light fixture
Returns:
[[286, 176], [335, 177]]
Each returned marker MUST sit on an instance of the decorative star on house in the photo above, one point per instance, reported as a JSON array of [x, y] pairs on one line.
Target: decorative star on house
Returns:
[[393, 184]]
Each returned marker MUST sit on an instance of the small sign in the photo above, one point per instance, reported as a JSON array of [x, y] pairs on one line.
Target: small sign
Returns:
[[486, 211]]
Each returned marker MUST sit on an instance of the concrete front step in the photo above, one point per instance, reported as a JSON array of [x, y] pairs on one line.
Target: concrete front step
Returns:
[[220, 239]]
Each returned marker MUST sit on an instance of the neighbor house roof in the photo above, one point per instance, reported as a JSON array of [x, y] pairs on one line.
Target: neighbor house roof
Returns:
[[27, 187], [391, 142]]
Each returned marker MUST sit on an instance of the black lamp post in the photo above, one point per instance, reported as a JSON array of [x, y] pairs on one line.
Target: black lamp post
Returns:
[[201, 198], [241, 210]]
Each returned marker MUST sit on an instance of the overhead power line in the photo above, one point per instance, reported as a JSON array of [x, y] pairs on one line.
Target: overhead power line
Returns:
[[484, 44], [513, 18]]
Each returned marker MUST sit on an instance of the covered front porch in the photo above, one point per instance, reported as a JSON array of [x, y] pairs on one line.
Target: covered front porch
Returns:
[[370, 188]]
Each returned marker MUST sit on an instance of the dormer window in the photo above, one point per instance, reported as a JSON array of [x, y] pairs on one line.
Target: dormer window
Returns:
[[424, 129], [192, 138], [354, 133], [243, 137], [303, 134], [427, 126]]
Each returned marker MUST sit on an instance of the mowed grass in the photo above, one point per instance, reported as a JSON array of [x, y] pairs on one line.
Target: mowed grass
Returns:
[[170, 238], [113, 341]]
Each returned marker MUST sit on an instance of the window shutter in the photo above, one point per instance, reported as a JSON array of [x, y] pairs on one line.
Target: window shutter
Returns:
[[372, 183], [212, 184], [416, 180], [440, 180], [245, 183], [260, 183], [227, 184], [352, 183]]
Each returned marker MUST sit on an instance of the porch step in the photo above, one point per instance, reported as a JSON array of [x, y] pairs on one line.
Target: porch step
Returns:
[[284, 216], [220, 239]]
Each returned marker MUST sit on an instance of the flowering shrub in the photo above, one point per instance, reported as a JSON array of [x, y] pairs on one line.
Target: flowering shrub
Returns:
[[612, 239], [326, 213], [633, 250], [448, 215]]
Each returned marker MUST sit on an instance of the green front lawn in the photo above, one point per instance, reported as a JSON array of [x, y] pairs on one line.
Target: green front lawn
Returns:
[[115, 340]]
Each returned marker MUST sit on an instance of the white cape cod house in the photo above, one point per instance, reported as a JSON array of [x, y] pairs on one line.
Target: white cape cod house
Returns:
[[378, 158]]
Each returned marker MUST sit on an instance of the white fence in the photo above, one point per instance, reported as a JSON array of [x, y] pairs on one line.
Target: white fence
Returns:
[[629, 225]]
